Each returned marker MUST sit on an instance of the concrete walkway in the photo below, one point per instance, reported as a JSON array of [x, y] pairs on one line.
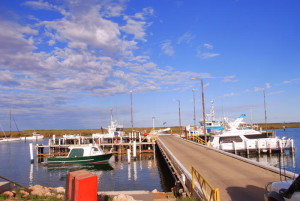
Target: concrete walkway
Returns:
[[141, 195], [236, 179]]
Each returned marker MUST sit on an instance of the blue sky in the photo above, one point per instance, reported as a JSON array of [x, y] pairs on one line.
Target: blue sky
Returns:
[[64, 64]]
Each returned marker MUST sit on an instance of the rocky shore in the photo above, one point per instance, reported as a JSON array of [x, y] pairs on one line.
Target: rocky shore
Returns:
[[36, 192]]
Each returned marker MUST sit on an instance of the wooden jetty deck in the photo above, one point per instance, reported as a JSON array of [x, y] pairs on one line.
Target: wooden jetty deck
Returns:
[[236, 179]]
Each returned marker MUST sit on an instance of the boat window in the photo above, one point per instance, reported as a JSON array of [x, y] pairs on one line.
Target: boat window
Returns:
[[230, 139], [76, 153], [119, 129], [256, 136], [95, 149]]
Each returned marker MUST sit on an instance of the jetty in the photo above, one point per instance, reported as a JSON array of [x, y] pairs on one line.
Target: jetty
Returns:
[[210, 174], [116, 145]]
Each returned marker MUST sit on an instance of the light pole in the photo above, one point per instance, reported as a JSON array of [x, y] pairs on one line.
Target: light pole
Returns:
[[265, 107], [131, 111], [203, 109], [179, 114], [153, 118], [194, 109]]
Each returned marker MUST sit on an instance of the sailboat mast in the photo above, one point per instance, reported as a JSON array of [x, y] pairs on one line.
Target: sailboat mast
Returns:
[[10, 123]]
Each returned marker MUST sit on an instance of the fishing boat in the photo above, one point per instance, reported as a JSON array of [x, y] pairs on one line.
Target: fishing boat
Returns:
[[81, 154], [113, 130], [35, 136], [211, 125]]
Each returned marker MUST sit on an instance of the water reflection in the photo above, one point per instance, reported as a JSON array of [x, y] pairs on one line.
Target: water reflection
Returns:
[[283, 161]]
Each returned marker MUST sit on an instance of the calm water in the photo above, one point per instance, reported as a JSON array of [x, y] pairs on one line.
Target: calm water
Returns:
[[286, 161], [146, 173], [143, 174]]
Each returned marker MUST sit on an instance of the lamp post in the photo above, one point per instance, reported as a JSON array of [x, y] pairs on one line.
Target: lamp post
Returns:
[[194, 109], [265, 107], [179, 114], [203, 109], [153, 118], [131, 111]]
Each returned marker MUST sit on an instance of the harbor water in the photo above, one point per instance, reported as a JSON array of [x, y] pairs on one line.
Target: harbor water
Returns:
[[147, 172], [285, 161]]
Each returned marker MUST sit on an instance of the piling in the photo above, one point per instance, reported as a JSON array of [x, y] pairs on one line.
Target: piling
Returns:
[[53, 138], [128, 155], [134, 150], [31, 152]]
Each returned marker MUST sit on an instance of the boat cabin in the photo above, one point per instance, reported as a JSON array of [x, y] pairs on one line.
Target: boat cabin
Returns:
[[80, 151]]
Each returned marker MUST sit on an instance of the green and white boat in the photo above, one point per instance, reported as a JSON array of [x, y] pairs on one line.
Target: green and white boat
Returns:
[[81, 154]]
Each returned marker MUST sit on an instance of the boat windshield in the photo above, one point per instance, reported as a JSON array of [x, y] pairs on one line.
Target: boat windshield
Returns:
[[230, 139], [76, 153]]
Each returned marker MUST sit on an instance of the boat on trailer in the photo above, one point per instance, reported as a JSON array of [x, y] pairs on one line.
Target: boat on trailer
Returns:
[[81, 154]]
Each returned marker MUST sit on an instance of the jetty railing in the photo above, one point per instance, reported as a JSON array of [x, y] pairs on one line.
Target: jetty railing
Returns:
[[210, 193], [196, 138]]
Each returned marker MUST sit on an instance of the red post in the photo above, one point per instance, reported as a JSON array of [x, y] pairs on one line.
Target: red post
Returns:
[[81, 186], [86, 187]]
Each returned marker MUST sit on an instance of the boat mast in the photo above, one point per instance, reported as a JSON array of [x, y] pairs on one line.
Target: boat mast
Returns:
[[10, 123], [212, 111], [111, 115]]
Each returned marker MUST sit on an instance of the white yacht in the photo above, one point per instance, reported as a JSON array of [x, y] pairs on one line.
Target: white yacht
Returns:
[[234, 138]]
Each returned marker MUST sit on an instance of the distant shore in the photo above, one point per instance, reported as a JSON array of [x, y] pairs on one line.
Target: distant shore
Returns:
[[88, 132]]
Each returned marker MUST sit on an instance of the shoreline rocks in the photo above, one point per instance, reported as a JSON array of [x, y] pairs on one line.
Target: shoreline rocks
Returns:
[[36, 190]]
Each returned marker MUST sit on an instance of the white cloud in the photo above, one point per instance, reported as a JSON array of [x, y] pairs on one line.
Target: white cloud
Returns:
[[267, 85], [258, 89], [207, 55], [167, 48], [290, 81], [204, 51], [208, 46], [136, 25], [230, 94], [276, 92], [187, 37], [230, 78]]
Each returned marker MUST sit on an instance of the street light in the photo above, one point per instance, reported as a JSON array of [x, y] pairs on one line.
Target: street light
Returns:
[[194, 109], [265, 107], [153, 118], [203, 108], [131, 111], [179, 114]]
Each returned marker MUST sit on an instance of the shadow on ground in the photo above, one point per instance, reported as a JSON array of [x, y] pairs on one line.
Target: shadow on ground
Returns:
[[250, 193]]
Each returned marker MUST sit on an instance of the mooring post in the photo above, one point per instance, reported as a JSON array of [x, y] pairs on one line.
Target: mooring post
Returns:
[[292, 145], [128, 155], [258, 148], [134, 149], [233, 144], [53, 138], [31, 152], [247, 149]]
